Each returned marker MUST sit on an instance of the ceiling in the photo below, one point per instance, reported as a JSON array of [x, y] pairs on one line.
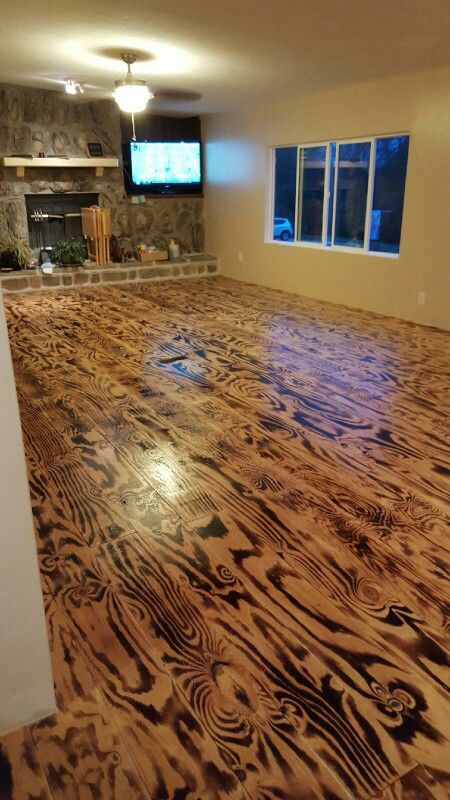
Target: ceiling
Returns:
[[211, 55]]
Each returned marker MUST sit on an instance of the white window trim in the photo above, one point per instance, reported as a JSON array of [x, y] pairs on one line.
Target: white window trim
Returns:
[[333, 248], [298, 195], [336, 178], [326, 199], [369, 200], [358, 251]]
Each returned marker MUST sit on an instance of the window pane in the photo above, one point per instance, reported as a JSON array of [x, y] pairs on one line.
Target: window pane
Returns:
[[351, 201], [331, 191], [284, 193], [311, 188], [391, 158]]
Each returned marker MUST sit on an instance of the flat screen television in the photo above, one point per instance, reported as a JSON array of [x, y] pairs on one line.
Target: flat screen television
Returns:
[[163, 167]]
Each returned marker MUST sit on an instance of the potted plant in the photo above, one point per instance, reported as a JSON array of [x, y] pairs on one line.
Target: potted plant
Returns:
[[69, 252], [14, 253]]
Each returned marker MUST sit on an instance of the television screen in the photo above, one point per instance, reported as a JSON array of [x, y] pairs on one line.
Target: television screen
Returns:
[[165, 163]]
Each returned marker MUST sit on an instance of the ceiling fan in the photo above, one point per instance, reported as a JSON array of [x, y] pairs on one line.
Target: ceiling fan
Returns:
[[131, 94]]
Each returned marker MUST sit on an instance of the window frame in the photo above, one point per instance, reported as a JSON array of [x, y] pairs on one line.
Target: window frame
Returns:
[[332, 248], [299, 193]]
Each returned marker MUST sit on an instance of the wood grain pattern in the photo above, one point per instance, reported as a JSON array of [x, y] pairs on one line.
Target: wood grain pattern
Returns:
[[21, 773], [79, 747], [244, 552], [136, 697], [419, 784]]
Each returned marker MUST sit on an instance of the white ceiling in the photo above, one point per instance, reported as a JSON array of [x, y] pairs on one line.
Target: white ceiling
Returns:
[[230, 52]]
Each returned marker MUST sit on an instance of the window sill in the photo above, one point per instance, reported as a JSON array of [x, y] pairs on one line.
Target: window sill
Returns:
[[354, 250]]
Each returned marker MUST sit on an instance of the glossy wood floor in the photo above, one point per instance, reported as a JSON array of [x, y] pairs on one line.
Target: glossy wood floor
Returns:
[[241, 503]]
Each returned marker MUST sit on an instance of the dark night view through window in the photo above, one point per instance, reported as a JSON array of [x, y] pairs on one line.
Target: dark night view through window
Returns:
[[341, 194]]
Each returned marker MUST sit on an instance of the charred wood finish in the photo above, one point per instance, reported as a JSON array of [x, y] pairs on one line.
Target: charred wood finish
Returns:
[[241, 511]]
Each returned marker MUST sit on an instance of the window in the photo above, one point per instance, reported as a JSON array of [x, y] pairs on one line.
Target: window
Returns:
[[341, 195], [285, 193], [311, 193], [351, 194]]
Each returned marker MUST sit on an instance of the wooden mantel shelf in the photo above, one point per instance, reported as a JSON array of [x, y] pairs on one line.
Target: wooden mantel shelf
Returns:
[[19, 164]]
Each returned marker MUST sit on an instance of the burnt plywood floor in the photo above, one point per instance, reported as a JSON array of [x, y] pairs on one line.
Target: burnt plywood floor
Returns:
[[240, 500]]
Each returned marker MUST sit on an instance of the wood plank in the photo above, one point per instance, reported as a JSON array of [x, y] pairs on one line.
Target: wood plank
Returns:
[[268, 623], [419, 784], [209, 528], [21, 773], [260, 744], [437, 560], [78, 747], [113, 699], [398, 512], [169, 745]]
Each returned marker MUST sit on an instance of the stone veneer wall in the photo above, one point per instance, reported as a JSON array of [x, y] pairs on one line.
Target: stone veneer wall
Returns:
[[34, 120]]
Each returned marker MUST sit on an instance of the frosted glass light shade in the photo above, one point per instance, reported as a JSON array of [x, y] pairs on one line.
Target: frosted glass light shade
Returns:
[[132, 96]]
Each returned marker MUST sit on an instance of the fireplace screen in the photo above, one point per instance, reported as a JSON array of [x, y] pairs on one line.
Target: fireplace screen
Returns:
[[52, 217]]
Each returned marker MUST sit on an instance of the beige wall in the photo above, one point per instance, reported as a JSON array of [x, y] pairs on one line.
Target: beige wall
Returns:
[[236, 169], [26, 685]]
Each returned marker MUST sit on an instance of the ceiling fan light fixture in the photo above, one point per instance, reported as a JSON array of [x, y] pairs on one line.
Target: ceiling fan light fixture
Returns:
[[132, 97], [131, 94], [73, 87]]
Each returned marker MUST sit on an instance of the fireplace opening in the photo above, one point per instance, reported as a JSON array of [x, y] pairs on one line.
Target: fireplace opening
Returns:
[[52, 217]]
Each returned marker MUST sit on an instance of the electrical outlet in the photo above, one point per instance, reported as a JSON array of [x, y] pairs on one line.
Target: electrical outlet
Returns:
[[240, 255], [421, 298]]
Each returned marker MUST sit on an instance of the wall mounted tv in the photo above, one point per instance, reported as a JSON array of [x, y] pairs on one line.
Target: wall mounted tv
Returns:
[[163, 168]]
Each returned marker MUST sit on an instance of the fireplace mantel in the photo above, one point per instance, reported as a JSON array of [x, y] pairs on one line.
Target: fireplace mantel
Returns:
[[19, 164]]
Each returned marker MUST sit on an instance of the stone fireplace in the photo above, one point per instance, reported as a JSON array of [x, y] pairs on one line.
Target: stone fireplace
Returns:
[[34, 121]]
